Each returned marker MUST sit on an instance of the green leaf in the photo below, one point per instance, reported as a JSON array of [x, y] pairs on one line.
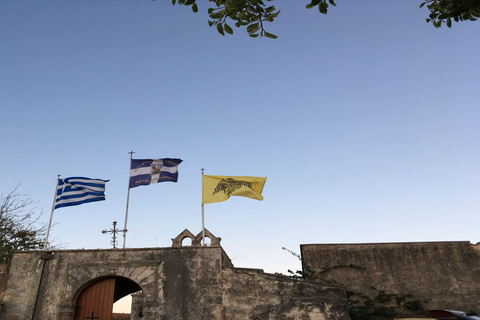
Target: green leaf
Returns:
[[253, 27], [270, 35], [322, 7], [211, 23], [220, 29], [309, 6], [174, 1], [270, 9], [215, 15], [449, 22], [255, 35], [242, 15], [315, 2], [332, 3], [228, 29], [194, 7]]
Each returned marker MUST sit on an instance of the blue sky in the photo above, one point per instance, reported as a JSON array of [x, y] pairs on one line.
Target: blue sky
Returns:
[[364, 121]]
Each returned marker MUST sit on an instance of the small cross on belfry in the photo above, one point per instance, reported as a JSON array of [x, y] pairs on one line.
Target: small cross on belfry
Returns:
[[114, 232], [91, 317]]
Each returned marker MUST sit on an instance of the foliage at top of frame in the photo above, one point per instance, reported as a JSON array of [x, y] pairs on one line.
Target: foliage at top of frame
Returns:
[[444, 11], [254, 14]]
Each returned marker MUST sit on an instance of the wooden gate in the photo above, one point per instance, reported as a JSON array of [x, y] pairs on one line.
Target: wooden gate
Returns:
[[96, 301]]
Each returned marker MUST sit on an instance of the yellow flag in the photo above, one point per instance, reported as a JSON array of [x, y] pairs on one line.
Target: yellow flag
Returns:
[[220, 188]]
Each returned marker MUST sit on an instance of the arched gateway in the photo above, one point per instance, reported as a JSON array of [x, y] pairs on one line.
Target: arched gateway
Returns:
[[189, 283], [96, 300]]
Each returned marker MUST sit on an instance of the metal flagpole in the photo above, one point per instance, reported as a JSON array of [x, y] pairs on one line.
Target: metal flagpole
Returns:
[[128, 199], [203, 216], [51, 214]]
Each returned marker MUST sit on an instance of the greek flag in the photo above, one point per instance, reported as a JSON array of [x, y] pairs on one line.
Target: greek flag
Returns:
[[78, 190], [149, 171]]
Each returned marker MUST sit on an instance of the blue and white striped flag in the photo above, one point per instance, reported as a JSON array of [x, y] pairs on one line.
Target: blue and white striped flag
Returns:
[[78, 190], [149, 171]]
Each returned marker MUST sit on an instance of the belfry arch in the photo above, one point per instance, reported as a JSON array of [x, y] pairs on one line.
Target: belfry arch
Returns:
[[196, 241]]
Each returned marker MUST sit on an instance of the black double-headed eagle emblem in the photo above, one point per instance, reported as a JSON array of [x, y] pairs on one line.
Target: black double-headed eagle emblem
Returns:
[[229, 185]]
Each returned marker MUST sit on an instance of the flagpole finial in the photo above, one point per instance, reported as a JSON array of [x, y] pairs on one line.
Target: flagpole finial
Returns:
[[202, 170]]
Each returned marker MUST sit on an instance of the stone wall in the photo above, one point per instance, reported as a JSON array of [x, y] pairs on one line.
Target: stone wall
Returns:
[[180, 283], [445, 274], [3, 281], [252, 294], [174, 280]]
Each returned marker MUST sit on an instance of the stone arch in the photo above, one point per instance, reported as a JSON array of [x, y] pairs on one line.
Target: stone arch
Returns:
[[196, 240], [131, 276], [187, 242], [177, 241], [115, 287], [214, 241], [124, 286]]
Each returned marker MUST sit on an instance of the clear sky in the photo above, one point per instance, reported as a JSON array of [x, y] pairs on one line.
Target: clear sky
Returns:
[[364, 121]]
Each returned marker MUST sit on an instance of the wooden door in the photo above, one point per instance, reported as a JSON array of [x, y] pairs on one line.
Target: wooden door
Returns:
[[96, 301]]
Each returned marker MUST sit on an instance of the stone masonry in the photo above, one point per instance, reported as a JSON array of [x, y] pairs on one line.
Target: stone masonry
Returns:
[[443, 274], [179, 283]]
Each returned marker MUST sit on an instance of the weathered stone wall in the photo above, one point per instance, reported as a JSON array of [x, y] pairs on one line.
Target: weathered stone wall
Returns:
[[21, 290], [175, 281], [3, 281], [181, 283], [251, 294], [445, 274]]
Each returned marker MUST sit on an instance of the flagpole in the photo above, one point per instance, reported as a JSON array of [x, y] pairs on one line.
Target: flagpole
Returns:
[[203, 216], [51, 214], [128, 200]]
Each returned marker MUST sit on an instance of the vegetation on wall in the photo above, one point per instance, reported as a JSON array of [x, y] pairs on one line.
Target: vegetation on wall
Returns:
[[19, 229], [382, 305]]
